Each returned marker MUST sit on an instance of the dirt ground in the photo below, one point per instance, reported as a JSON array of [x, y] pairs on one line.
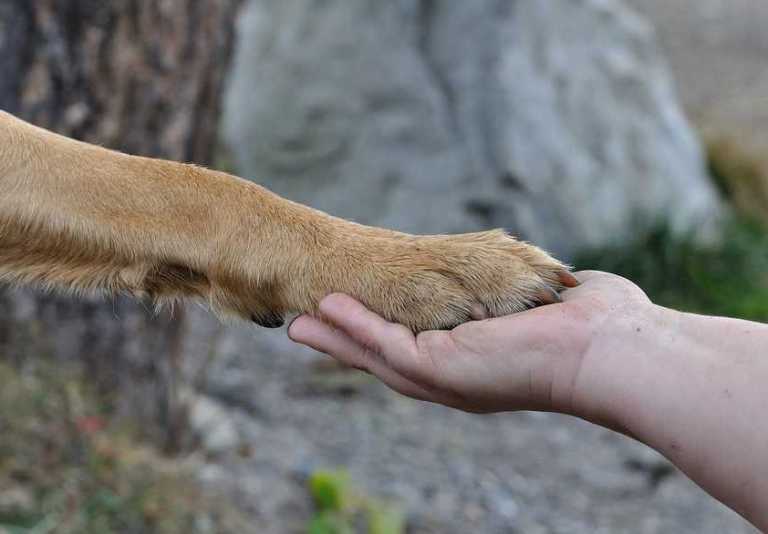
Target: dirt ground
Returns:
[[453, 473]]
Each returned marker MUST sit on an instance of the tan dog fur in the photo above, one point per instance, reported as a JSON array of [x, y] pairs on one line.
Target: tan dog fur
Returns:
[[78, 217]]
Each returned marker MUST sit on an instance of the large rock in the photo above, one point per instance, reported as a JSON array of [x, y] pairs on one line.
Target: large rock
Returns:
[[553, 118]]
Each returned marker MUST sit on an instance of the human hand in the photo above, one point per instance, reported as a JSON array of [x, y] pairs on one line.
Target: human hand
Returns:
[[526, 361], [690, 386]]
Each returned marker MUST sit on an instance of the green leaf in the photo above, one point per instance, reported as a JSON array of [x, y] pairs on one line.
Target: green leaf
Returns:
[[330, 489], [385, 519], [328, 523]]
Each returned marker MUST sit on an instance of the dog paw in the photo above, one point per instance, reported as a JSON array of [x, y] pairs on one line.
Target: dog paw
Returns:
[[439, 282]]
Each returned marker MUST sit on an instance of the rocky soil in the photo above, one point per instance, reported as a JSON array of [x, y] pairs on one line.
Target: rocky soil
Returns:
[[286, 414]]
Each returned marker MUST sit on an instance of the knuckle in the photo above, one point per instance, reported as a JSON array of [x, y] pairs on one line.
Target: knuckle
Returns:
[[430, 347], [400, 334]]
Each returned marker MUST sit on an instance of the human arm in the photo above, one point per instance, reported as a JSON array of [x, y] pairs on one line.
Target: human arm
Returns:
[[692, 387]]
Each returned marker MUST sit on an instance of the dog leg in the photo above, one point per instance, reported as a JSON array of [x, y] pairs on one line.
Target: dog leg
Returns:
[[78, 217]]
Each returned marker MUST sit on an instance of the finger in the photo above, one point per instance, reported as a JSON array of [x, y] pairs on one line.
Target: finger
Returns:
[[404, 386], [568, 279], [395, 343], [322, 337], [587, 281], [366, 327], [424, 361], [585, 276]]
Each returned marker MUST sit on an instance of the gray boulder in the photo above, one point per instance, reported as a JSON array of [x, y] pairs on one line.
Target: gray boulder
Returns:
[[555, 119]]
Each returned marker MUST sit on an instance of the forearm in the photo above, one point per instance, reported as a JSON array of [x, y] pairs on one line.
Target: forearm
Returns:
[[696, 389]]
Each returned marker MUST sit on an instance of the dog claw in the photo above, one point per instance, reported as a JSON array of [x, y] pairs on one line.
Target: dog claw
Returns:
[[271, 320], [478, 312], [548, 296], [568, 280]]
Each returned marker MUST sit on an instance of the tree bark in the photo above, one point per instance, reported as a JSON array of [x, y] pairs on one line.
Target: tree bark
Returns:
[[141, 76]]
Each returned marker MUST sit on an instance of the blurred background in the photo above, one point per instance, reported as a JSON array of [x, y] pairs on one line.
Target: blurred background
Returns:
[[623, 135]]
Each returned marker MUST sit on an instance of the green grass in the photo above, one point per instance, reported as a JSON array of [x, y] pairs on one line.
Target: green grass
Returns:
[[729, 278], [339, 509], [64, 469]]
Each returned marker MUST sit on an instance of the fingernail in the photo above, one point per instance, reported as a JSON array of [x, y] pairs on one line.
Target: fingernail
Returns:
[[548, 296], [478, 312], [268, 320]]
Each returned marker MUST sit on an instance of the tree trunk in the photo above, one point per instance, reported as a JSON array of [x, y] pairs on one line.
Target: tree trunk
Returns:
[[141, 76]]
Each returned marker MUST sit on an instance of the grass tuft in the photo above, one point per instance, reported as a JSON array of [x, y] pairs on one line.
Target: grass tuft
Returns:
[[64, 469], [729, 278], [339, 509]]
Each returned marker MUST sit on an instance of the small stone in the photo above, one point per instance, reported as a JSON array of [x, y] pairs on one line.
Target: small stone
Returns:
[[213, 425]]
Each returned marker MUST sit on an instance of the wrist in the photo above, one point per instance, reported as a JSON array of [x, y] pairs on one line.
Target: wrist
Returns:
[[690, 387], [618, 377]]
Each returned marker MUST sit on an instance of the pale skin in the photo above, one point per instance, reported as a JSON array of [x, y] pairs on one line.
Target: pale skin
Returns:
[[692, 387]]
